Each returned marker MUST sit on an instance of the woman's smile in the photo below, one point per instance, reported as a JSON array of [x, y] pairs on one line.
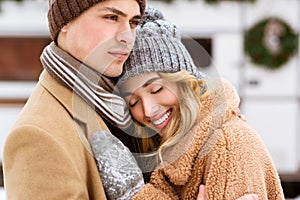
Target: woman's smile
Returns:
[[163, 121]]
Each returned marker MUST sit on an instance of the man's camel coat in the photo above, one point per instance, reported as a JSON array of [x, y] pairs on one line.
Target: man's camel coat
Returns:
[[47, 154]]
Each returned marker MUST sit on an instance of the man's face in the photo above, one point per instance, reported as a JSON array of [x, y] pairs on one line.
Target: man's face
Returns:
[[103, 35]]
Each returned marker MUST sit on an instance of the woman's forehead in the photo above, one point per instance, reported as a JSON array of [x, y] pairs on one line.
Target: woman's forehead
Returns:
[[138, 81]]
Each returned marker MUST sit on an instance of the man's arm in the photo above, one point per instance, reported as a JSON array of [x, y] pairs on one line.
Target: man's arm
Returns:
[[37, 167], [201, 195]]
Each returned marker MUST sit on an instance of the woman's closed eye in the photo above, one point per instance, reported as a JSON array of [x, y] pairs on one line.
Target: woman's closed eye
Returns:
[[152, 89], [156, 89], [132, 101]]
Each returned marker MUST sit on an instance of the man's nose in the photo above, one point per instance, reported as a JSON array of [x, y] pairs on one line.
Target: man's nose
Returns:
[[126, 35]]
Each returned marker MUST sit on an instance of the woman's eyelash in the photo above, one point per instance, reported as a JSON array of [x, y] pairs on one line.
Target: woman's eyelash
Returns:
[[132, 104], [157, 90]]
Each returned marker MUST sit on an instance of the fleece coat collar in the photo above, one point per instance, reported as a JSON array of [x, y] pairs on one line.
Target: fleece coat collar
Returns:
[[217, 106]]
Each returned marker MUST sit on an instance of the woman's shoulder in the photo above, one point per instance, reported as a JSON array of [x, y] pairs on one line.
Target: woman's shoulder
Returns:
[[239, 133], [221, 89]]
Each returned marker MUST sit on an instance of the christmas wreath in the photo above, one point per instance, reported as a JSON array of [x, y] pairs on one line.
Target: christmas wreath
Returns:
[[270, 43]]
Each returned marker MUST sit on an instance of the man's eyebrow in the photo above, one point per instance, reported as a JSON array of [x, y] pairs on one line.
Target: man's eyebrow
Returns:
[[119, 12], [125, 94]]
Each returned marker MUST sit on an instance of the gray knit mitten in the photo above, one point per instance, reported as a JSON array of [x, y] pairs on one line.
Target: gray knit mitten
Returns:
[[119, 172]]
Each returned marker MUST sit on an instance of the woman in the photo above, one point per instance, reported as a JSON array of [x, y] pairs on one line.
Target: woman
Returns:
[[201, 140]]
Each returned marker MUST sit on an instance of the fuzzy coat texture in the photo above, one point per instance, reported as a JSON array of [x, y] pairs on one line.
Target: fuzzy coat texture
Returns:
[[231, 160], [47, 154]]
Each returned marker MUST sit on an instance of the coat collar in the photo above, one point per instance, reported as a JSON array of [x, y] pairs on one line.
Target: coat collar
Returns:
[[185, 152], [86, 118], [217, 106]]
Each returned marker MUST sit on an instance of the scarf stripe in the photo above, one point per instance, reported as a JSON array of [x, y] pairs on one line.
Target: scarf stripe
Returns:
[[108, 105]]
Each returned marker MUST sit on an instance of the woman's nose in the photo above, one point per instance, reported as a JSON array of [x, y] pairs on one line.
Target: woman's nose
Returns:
[[151, 108]]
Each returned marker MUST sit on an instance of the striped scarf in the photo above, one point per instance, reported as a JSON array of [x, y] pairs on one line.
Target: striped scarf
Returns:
[[94, 88]]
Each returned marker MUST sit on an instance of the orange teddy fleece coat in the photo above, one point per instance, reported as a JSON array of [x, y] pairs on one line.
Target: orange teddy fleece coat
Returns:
[[224, 153]]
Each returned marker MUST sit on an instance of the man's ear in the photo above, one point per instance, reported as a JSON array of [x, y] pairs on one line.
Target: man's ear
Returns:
[[61, 34], [64, 28]]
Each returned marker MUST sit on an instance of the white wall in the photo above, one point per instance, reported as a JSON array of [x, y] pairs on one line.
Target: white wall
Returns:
[[24, 18]]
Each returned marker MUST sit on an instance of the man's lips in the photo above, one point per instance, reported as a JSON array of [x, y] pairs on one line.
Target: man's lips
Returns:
[[120, 55]]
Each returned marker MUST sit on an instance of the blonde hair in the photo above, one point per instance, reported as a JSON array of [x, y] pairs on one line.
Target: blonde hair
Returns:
[[189, 91]]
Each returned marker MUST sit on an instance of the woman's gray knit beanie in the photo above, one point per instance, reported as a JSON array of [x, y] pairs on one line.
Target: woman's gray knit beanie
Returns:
[[158, 48]]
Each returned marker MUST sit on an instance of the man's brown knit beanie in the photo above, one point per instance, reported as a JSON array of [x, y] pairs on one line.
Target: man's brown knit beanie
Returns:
[[62, 12]]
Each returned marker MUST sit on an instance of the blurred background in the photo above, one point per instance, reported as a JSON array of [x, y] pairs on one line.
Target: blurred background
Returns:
[[252, 43]]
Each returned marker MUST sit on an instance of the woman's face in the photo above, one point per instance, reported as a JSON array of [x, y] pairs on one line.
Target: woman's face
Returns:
[[151, 100]]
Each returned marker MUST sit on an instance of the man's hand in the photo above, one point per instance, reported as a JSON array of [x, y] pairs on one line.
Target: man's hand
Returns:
[[249, 197], [238, 114], [119, 172], [201, 195]]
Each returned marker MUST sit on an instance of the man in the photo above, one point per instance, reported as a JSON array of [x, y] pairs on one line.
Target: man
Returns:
[[47, 154]]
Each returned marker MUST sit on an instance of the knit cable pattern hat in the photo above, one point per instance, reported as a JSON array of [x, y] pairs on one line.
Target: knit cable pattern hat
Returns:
[[62, 12], [158, 48]]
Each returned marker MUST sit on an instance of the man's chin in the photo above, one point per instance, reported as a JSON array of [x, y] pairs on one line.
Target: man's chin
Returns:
[[113, 74], [113, 70]]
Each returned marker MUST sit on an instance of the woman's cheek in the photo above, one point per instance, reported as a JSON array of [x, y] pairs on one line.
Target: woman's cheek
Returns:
[[136, 114]]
